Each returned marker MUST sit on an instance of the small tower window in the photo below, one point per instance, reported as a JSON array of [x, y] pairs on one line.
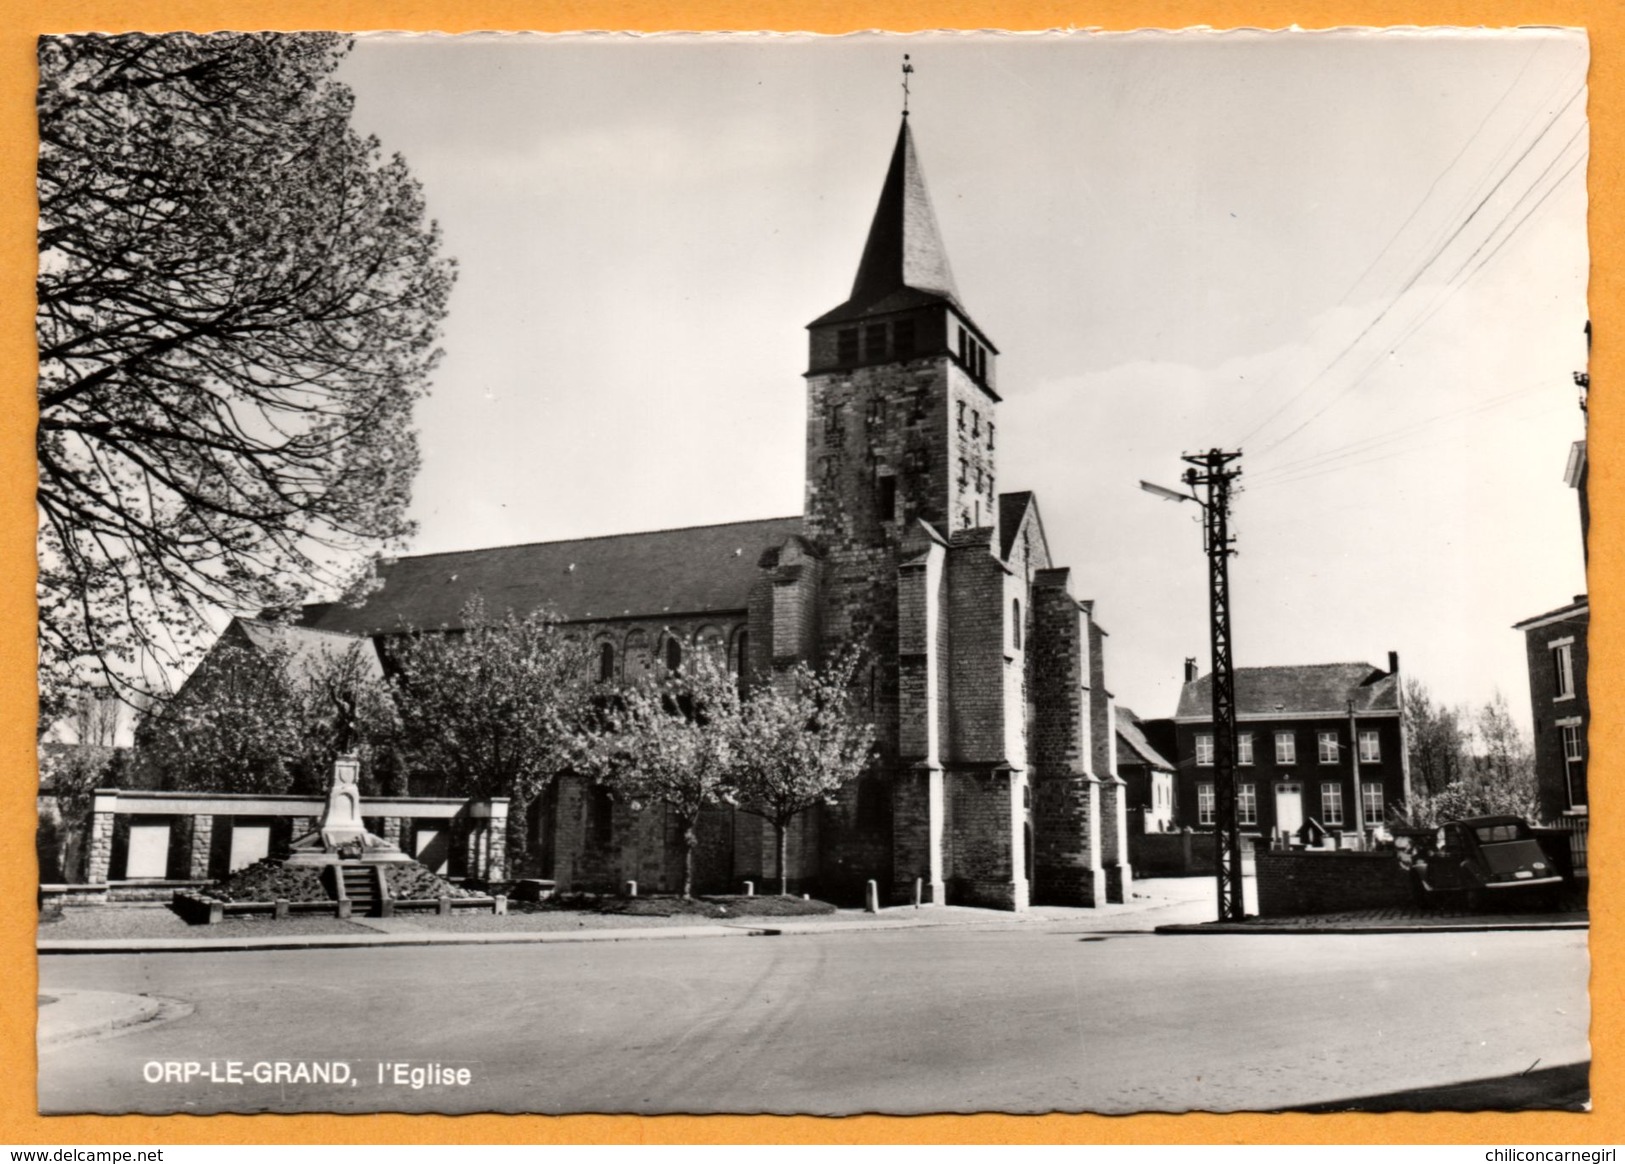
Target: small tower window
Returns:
[[981, 362], [874, 342], [990, 435], [964, 472], [1015, 623], [961, 406], [886, 496], [978, 480], [975, 423], [964, 346], [846, 345], [606, 662], [902, 338]]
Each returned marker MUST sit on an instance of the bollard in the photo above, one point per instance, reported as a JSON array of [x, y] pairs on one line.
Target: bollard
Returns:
[[217, 913], [631, 888], [344, 907], [279, 909], [806, 897], [386, 907], [871, 898], [750, 889], [443, 906], [500, 906], [919, 891]]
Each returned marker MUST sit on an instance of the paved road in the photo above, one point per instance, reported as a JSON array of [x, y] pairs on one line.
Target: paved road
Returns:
[[1033, 1018]]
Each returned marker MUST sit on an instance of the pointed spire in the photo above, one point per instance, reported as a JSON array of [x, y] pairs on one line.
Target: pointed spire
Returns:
[[904, 263], [905, 246]]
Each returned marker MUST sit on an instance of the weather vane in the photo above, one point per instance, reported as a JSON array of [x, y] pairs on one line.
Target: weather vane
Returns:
[[907, 69]]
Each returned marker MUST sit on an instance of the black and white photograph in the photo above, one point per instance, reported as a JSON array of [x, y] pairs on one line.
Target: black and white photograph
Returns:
[[698, 573]]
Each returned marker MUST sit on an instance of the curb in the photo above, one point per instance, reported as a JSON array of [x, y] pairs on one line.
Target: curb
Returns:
[[1397, 928], [134, 1010], [367, 941]]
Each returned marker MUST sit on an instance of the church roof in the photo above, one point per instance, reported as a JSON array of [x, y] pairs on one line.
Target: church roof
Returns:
[[308, 647], [904, 264], [1282, 692], [671, 571]]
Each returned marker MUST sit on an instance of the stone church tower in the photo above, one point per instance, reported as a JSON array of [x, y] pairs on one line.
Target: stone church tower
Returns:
[[987, 685]]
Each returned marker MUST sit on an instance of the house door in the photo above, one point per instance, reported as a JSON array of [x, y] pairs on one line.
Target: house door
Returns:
[[1289, 807]]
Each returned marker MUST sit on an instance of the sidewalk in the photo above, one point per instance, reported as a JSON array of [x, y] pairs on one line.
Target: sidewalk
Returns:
[[68, 1015], [1389, 920], [1155, 902]]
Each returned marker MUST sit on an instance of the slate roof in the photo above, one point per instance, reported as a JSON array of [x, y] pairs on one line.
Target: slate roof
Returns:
[[904, 264], [1281, 692], [308, 645], [1579, 606], [671, 571], [1012, 508], [1132, 740]]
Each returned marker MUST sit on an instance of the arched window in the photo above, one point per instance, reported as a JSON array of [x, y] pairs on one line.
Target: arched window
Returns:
[[674, 655], [1015, 623], [606, 662]]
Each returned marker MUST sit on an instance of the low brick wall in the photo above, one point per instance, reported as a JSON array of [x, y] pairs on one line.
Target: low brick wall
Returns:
[[1328, 881], [1171, 854]]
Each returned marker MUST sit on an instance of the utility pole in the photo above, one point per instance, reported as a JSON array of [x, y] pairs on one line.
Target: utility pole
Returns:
[[1213, 469]]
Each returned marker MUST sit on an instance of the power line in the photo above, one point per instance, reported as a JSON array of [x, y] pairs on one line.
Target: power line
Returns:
[[1415, 210], [1412, 280], [1451, 285]]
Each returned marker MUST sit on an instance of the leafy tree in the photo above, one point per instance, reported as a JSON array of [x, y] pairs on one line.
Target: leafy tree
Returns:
[[800, 740], [497, 709], [1494, 772], [71, 772], [674, 743], [239, 299], [1434, 738], [258, 716], [234, 727]]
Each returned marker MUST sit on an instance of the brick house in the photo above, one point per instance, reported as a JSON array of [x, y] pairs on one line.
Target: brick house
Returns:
[[1318, 747], [995, 779], [1555, 644], [1560, 706]]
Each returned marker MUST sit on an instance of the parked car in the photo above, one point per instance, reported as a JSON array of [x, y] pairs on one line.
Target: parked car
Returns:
[[1484, 860]]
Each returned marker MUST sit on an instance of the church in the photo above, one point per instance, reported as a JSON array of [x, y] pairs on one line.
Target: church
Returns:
[[995, 779]]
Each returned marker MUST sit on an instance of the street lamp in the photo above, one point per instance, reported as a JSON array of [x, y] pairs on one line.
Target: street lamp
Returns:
[[1212, 469]]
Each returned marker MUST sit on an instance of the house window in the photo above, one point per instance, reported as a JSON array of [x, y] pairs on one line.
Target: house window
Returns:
[[1371, 799], [1247, 804], [1015, 623], [1204, 804], [886, 497], [1370, 749], [1328, 747], [902, 338], [1244, 748], [874, 342], [1574, 764], [1331, 804], [846, 345], [1563, 668], [1204, 750], [606, 662], [1286, 748]]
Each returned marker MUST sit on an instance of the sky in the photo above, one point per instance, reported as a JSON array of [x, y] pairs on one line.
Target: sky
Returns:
[[1358, 257]]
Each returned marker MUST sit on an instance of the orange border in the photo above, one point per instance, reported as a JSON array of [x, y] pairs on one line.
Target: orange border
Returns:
[[22, 20]]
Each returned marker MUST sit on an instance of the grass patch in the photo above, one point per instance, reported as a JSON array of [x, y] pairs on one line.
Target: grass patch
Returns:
[[723, 906]]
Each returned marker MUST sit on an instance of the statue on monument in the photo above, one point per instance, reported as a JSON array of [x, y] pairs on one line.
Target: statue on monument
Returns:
[[342, 835]]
